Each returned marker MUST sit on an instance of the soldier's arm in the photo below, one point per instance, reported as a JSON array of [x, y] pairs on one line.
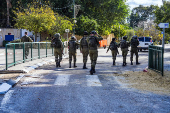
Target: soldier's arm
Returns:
[[99, 38], [30, 40], [62, 46]]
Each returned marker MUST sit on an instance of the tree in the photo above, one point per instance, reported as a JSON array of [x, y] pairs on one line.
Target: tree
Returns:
[[162, 15], [141, 14], [40, 18], [86, 24], [8, 7], [119, 31]]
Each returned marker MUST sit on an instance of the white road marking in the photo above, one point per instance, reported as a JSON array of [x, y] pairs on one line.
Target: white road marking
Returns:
[[93, 80], [62, 80], [6, 100]]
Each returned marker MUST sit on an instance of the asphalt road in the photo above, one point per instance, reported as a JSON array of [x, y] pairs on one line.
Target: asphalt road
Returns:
[[73, 90]]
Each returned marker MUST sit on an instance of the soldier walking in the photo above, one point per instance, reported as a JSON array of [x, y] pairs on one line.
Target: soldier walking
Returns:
[[134, 49], [114, 49], [58, 49], [73, 45], [93, 42], [84, 48], [26, 38], [124, 48]]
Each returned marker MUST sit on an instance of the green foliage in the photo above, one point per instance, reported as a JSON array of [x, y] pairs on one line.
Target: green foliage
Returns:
[[119, 31], [141, 13], [129, 34], [86, 24], [162, 15], [16, 41]]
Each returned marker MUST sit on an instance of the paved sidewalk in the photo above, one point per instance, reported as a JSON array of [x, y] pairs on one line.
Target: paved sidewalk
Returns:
[[9, 80]]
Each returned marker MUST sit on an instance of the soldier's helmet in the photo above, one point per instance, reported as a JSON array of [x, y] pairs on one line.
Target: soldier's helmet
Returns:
[[93, 32], [113, 39], [134, 37], [57, 35], [73, 37], [85, 33], [125, 37]]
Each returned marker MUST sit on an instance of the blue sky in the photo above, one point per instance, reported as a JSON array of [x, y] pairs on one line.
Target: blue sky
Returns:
[[136, 3]]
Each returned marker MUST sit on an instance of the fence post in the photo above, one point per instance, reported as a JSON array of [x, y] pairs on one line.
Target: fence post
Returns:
[[31, 51], [46, 49], [14, 54], [162, 61], [24, 52], [52, 51], [38, 50], [6, 57]]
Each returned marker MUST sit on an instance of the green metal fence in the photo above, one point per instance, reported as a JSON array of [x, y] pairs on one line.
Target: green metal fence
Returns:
[[27, 51], [156, 59]]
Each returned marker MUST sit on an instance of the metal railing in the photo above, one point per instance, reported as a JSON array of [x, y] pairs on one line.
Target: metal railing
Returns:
[[156, 59], [22, 52]]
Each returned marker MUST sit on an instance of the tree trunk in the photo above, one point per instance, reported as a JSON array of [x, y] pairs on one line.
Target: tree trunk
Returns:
[[8, 7], [35, 36]]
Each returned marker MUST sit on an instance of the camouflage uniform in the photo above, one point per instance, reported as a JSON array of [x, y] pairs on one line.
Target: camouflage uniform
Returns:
[[26, 39], [134, 49], [124, 48], [58, 49], [72, 50], [84, 49], [93, 53], [114, 49]]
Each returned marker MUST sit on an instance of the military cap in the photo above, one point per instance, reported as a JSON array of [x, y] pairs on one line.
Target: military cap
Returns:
[[57, 35], [85, 33], [73, 37], [93, 32], [135, 37], [113, 39], [125, 37]]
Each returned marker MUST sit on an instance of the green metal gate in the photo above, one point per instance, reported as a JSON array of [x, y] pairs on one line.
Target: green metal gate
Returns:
[[156, 59]]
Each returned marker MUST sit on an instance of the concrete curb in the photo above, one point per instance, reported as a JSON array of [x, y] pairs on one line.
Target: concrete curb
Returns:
[[5, 87]]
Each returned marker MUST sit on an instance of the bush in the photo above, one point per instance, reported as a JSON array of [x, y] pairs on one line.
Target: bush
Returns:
[[16, 41], [5, 42]]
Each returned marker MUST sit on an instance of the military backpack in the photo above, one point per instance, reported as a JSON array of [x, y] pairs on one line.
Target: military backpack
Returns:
[[113, 46], [84, 42], [72, 45], [123, 44], [92, 42], [56, 43], [134, 42]]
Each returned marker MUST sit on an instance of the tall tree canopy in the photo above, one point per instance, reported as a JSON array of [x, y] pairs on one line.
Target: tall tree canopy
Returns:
[[141, 13], [162, 14]]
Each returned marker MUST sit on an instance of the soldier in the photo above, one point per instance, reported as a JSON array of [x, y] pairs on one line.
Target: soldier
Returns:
[[73, 45], [26, 38], [114, 48], [124, 47], [93, 42], [134, 49], [58, 48], [84, 48]]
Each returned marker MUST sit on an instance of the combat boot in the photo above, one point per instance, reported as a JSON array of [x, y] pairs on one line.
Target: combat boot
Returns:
[[137, 63], [69, 64], [113, 62], [75, 64], [56, 64], [131, 63], [94, 71], [59, 64], [84, 67], [91, 71], [124, 64]]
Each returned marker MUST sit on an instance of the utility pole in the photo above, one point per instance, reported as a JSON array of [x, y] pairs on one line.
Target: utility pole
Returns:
[[74, 17]]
